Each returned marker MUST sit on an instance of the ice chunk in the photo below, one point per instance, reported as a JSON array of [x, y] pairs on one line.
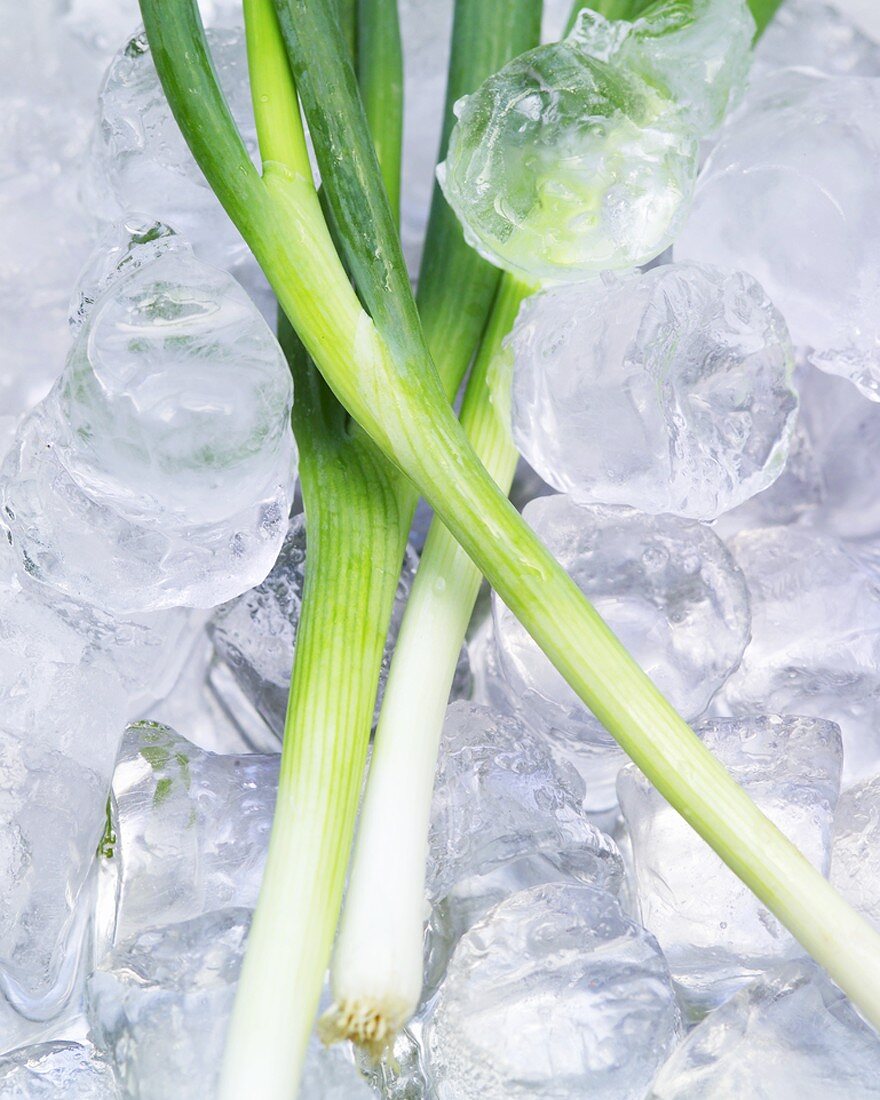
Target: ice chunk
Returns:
[[670, 590], [560, 165], [139, 160], [815, 646], [803, 152], [668, 391], [74, 1071], [844, 436], [554, 993], [855, 854], [789, 1033], [815, 35], [255, 635], [714, 932], [698, 53], [160, 1006], [158, 472], [191, 829], [505, 816]]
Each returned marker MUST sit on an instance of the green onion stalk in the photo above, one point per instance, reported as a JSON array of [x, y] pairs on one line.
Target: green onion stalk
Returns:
[[371, 350]]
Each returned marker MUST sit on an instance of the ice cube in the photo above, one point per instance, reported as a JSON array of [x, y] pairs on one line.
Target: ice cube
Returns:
[[789, 1033], [255, 635], [560, 166], [815, 35], [815, 646], [855, 853], [505, 816], [158, 472], [160, 1007], [668, 391], [554, 993], [191, 829], [671, 591], [139, 160], [697, 53], [788, 196], [715, 934], [48, 1071]]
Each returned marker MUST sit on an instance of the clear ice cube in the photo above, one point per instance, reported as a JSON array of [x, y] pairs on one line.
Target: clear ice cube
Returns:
[[554, 993], [788, 196], [790, 1033], [815, 35], [190, 829], [49, 1071], [815, 645], [670, 590], [667, 391], [139, 160], [855, 852], [560, 165], [698, 53], [158, 472], [505, 816], [714, 932]]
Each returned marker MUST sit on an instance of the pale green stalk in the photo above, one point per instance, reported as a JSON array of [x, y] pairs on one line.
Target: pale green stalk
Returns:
[[378, 959]]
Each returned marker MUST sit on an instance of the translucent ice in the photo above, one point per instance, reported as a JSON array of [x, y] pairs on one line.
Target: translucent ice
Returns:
[[191, 829], [668, 391], [790, 1033], [713, 931], [160, 1006], [158, 471], [560, 165], [855, 855], [666, 586], [697, 53], [255, 635], [48, 1071], [139, 160], [803, 152], [815, 646], [815, 35], [554, 993], [505, 816]]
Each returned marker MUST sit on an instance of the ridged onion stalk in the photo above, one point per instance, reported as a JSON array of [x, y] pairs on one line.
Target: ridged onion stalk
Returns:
[[374, 357], [379, 954]]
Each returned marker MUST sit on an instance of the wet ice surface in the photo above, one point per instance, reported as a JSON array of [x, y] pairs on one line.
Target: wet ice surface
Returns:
[[817, 35], [699, 56], [668, 391], [191, 829], [48, 1071], [789, 1033], [803, 152], [714, 932], [670, 590], [855, 855], [139, 160], [554, 993], [505, 816], [560, 165], [160, 1004], [815, 645], [175, 386]]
